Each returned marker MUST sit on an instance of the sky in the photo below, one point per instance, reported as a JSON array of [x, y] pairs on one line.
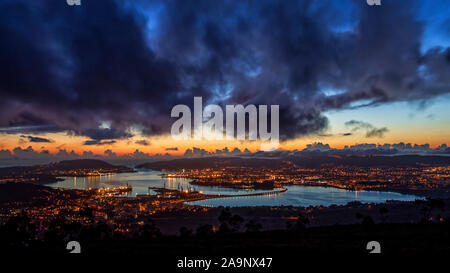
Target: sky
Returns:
[[105, 75]]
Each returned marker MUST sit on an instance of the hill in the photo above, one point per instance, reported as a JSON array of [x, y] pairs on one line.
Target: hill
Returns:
[[212, 162], [305, 161], [49, 172], [79, 164]]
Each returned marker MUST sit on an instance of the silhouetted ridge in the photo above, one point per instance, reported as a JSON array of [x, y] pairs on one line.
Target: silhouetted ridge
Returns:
[[80, 164], [305, 161]]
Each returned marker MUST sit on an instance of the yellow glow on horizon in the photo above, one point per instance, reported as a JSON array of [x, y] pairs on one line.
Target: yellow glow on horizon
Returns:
[[158, 144]]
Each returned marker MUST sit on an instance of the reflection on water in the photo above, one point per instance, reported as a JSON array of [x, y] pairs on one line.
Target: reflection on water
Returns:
[[307, 196], [140, 181], [295, 196]]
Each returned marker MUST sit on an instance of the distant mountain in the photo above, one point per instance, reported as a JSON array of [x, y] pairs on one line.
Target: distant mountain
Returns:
[[26, 192], [46, 172], [306, 161], [212, 162], [79, 164], [369, 161]]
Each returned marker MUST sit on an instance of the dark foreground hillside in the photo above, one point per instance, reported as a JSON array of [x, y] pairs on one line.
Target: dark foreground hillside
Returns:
[[395, 239]]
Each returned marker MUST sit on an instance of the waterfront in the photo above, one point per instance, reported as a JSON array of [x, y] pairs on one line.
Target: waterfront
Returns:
[[295, 196], [140, 181]]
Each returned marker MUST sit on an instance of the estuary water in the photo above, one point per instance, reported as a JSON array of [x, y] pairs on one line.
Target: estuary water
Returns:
[[294, 196]]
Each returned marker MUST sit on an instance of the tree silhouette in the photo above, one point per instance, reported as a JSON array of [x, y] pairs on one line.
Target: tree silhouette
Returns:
[[185, 232], [149, 230], [236, 221], [428, 206], [302, 221], [383, 213], [205, 231], [358, 216], [253, 226], [55, 234], [368, 221], [18, 231], [229, 222], [225, 215]]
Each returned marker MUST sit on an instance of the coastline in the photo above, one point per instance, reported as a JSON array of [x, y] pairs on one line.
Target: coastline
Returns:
[[418, 193]]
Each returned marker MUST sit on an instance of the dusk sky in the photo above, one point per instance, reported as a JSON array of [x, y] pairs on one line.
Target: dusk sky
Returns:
[[105, 75]]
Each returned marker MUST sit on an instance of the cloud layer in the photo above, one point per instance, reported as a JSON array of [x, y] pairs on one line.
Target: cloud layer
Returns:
[[129, 62], [371, 131]]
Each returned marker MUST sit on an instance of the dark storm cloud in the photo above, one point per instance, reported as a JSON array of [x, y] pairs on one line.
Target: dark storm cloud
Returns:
[[32, 129], [36, 139], [143, 142], [105, 133], [76, 67], [129, 63], [98, 142]]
